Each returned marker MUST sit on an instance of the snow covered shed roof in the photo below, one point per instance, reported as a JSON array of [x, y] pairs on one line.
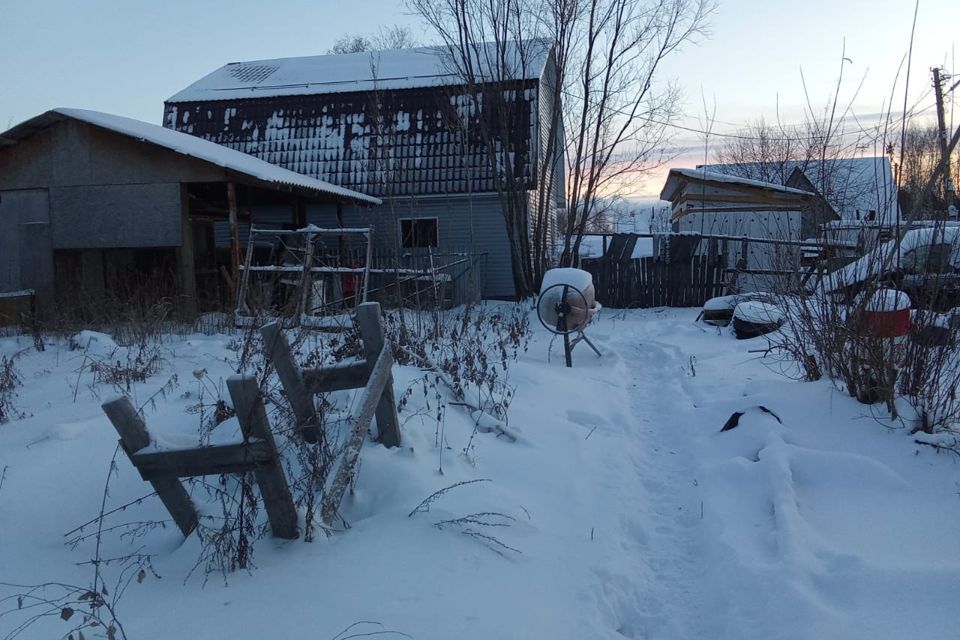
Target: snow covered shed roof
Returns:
[[187, 145], [677, 178], [357, 72]]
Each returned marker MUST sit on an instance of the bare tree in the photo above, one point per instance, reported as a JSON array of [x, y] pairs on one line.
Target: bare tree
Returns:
[[765, 152], [919, 160], [490, 47], [617, 116], [394, 37], [607, 114], [351, 44]]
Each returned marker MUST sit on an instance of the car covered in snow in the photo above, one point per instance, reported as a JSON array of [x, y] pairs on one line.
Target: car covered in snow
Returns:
[[925, 265]]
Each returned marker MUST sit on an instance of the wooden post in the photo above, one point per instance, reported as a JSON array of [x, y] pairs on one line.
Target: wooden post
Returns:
[[234, 230], [245, 393], [280, 354], [185, 254], [371, 330], [306, 282], [381, 381], [134, 436]]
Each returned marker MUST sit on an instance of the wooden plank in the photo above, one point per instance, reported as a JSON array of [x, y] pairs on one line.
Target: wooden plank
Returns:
[[371, 331], [380, 379], [351, 375], [205, 461], [277, 500], [301, 401], [134, 436]]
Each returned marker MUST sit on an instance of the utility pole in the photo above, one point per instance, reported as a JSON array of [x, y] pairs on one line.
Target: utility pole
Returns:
[[948, 188]]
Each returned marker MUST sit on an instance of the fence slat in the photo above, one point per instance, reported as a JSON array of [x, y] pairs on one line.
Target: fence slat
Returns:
[[301, 401], [252, 415], [134, 436], [371, 331], [380, 378]]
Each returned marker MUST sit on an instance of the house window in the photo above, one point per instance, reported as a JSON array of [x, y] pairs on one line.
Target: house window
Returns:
[[418, 233]]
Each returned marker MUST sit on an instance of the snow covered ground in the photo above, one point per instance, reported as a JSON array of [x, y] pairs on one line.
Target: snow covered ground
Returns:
[[634, 516]]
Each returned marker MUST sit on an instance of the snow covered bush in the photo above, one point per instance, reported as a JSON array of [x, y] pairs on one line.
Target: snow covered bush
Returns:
[[831, 326], [471, 349]]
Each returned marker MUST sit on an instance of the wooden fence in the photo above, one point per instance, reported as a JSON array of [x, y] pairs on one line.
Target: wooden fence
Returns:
[[673, 278]]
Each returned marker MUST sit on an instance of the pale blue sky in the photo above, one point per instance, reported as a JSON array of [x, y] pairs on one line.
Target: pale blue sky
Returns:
[[127, 56]]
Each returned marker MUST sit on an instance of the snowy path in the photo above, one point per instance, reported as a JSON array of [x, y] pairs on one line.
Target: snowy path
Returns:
[[824, 527]]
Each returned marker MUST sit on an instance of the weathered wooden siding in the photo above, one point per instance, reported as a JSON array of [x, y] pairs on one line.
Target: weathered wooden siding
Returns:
[[24, 234], [72, 153]]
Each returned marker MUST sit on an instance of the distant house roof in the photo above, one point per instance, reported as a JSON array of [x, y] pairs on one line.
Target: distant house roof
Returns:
[[356, 72], [678, 177], [185, 144], [853, 186]]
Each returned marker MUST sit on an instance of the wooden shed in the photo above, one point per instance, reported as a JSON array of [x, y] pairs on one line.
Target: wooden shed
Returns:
[[96, 206], [711, 203]]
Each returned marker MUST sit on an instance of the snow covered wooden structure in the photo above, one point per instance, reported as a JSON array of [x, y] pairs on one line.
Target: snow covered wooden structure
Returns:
[[709, 203], [257, 453], [399, 125], [94, 204], [857, 189]]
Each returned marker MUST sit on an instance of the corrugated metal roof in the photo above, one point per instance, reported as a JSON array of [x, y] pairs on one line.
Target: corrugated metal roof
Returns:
[[359, 72], [187, 145]]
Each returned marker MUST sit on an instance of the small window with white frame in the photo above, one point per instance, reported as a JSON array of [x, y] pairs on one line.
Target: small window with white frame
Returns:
[[418, 233]]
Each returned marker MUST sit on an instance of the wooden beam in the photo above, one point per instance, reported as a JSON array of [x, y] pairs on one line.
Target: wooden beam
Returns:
[[380, 381], [351, 375], [205, 461], [371, 331], [301, 400], [185, 255], [234, 230], [134, 436], [277, 500]]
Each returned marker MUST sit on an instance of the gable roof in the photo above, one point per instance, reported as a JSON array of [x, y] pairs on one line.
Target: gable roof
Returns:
[[852, 184], [184, 144], [678, 177], [356, 72]]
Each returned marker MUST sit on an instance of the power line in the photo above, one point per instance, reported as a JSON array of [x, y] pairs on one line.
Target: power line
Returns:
[[911, 112]]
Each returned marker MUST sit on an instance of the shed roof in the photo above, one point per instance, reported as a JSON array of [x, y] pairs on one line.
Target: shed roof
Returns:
[[185, 144], [677, 177], [357, 72]]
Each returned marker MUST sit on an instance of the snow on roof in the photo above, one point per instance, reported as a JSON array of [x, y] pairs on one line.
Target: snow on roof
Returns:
[[673, 182], [353, 72], [853, 186], [192, 146]]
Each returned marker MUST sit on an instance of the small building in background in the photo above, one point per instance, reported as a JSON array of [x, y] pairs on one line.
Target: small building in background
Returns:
[[709, 203], [97, 208], [402, 126], [858, 189]]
